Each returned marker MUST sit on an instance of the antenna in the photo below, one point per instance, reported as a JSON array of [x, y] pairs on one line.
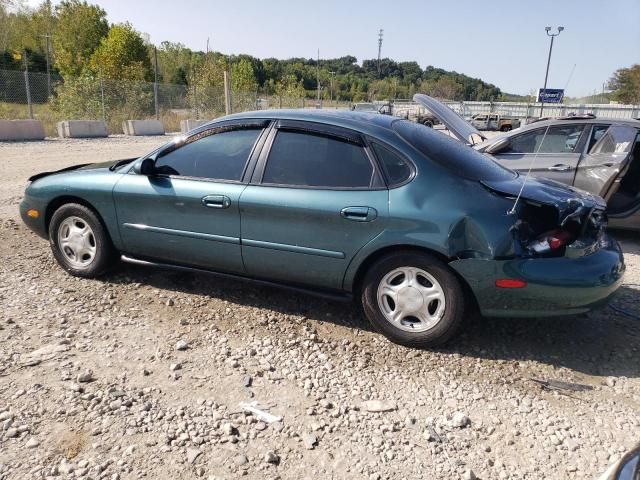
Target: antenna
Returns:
[[318, 75], [380, 35], [524, 182], [570, 76]]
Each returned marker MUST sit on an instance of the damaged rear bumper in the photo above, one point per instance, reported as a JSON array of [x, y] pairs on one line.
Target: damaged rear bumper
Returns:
[[578, 282]]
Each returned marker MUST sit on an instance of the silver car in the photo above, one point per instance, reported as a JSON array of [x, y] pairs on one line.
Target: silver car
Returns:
[[599, 155]]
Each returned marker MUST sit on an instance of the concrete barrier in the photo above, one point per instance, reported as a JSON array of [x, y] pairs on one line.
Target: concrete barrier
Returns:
[[82, 129], [190, 124], [142, 127], [20, 130]]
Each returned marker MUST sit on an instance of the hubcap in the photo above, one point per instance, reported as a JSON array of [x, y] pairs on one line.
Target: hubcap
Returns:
[[411, 299], [77, 242]]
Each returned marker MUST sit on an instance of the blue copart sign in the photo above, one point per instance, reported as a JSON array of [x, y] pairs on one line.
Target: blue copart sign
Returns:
[[550, 95]]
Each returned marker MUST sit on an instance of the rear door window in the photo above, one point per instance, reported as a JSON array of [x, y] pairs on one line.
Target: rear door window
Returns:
[[313, 160], [618, 139], [553, 139], [596, 134]]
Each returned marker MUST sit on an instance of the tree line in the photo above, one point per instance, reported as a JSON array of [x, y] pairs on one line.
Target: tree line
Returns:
[[82, 43]]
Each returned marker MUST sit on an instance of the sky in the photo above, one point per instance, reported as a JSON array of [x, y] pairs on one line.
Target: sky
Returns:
[[500, 41]]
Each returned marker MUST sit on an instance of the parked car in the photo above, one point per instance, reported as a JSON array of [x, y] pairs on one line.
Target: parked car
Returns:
[[411, 223], [494, 121], [599, 155]]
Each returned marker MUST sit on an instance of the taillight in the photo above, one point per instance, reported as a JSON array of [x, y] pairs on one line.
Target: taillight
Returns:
[[550, 241]]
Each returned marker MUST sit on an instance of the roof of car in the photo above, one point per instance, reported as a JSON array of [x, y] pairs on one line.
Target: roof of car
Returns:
[[361, 121], [581, 119]]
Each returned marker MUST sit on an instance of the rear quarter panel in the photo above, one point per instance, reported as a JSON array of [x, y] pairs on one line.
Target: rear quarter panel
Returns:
[[448, 215]]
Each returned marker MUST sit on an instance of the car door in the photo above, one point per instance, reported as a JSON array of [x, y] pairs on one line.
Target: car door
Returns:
[[602, 169], [493, 122], [315, 199], [186, 212], [479, 122], [552, 151]]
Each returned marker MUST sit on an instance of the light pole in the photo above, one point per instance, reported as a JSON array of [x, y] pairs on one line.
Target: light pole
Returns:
[[546, 75]]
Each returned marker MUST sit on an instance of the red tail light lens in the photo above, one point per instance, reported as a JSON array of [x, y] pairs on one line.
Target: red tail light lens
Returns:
[[550, 241]]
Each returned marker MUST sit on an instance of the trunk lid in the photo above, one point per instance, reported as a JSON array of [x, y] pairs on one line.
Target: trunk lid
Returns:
[[546, 192], [458, 126]]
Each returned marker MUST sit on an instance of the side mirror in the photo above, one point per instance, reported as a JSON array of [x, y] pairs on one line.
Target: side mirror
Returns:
[[499, 146], [146, 167]]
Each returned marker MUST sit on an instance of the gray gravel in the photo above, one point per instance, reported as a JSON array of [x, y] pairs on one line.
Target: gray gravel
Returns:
[[95, 382]]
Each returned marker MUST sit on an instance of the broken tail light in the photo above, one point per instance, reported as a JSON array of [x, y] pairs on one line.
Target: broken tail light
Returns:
[[551, 241]]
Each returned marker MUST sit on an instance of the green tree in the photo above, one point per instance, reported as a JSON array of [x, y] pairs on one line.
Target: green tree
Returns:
[[174, 62], [444, 87], [122, 55], [625, 84], [290, 86], [243, 78], [80, 28]]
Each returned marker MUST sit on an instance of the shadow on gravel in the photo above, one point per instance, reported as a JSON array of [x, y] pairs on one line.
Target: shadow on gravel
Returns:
[[602, 343]]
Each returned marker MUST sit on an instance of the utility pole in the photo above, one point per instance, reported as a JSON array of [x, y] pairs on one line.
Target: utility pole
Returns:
[[26, 84], [380, 35], [47, 37], [155, 82], [546, 75], [318, 76], [331, 87]]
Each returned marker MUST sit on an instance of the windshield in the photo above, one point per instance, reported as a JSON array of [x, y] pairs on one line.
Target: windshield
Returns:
[[365, 107], [460, 159]]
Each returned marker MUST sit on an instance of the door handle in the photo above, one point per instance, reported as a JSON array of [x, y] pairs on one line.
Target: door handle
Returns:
[[359, 214], [216, 201], [560, 168]]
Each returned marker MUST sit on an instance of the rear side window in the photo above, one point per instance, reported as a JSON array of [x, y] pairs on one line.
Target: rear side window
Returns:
[[309, 160], [395, 167], [452, 154], [220, 156]]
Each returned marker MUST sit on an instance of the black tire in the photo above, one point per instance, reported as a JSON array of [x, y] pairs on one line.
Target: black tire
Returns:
[[454, 301], [428, 123], [104, 256], [506, 128]]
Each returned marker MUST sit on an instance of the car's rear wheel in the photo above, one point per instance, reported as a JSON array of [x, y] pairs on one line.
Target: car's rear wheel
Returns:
[[414, 299], [79, 242], [506, 128], [428, 123]]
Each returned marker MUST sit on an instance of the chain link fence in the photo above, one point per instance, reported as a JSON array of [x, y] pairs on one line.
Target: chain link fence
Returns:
[[50, 98]]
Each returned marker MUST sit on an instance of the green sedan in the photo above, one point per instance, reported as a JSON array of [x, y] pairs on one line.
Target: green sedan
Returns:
[[416, 226]]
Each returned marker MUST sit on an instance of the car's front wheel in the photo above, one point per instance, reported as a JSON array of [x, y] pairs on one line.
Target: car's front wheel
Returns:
[[414, 299], [79, 242]]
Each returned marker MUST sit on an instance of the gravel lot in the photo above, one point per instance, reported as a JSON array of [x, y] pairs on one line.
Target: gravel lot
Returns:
[[140, 374]]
